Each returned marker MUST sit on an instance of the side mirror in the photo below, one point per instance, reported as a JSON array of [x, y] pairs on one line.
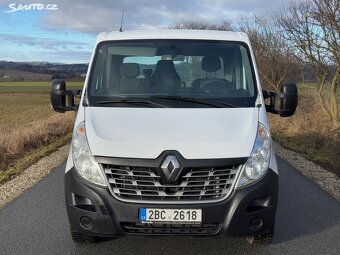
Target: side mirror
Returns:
[[288, 100], [62, 100]]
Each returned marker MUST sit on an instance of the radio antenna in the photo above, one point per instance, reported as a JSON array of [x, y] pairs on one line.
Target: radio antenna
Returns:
[[121, 22]]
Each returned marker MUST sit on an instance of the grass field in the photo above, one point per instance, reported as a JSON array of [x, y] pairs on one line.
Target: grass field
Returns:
[[33, 87], [27, 124], [25, 102]]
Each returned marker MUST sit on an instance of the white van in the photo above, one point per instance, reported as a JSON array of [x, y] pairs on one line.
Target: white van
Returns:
[[172, 138]]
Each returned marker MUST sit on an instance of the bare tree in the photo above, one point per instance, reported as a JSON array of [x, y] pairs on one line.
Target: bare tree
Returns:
[[312, 27], [275, 59], [327, 16]]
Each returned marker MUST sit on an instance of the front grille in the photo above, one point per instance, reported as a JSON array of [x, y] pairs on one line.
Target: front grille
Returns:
[[145, 183], [171, 229]]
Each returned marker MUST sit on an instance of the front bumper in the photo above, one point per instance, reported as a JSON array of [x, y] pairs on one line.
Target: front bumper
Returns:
[[92, 209]]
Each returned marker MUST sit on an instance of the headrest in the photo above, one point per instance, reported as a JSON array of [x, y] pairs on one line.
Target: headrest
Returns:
[[165, 66], [211, 64], [129, 70]]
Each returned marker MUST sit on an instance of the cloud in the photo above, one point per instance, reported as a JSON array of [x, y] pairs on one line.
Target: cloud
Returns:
[[68, 34], [69, 56], [28, 48], [89, 16], [44, 43], [105, 15]]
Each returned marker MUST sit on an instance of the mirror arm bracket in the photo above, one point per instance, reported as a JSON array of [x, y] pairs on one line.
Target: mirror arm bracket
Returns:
[[273, 97], [67, 92], [271, 106]]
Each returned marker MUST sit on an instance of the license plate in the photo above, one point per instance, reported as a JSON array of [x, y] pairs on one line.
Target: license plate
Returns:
[[150, 215]]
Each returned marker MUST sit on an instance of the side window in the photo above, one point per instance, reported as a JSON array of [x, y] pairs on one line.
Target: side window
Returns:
[[98, 78], [248, 81], [106, 73]]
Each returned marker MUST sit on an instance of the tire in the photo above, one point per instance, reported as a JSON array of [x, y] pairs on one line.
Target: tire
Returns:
[[81, 238], [264, 238]]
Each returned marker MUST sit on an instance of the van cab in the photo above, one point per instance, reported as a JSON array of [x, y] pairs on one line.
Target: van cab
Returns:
[[172, 138]]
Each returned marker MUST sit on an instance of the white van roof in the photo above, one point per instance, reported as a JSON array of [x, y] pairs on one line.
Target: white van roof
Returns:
[[173, 34]]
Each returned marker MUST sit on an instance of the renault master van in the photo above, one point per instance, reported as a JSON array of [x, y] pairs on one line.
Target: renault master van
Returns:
[[172, 138]]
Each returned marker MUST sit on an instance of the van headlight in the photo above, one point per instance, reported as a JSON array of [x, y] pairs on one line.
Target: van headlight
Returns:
[[83, 159], [258, 162]]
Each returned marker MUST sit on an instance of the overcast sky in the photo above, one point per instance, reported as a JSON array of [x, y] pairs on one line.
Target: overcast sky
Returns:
[[66, 33]]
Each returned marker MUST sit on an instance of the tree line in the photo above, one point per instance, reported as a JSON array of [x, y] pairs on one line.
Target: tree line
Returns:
[[65, 71]]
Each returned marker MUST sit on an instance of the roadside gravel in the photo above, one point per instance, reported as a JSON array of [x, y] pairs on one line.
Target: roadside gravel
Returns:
[[14, 187], [328, 181]]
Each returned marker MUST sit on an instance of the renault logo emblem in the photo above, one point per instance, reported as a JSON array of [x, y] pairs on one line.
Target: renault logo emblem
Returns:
[[171, 168]]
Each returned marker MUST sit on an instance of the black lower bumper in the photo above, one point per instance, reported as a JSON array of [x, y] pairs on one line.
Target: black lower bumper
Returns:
[[247, 211]]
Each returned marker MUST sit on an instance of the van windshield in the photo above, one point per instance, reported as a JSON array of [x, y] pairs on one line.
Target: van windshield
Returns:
[[172, 73]]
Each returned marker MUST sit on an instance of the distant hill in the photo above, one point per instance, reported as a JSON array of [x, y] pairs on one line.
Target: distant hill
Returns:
[[40, 71], [17, 75]]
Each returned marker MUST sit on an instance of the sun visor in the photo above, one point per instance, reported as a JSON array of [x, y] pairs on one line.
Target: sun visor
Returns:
[[133, 51]]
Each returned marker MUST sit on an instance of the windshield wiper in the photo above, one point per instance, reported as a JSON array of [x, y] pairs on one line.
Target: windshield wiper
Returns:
[[128, 101], [195, 100]]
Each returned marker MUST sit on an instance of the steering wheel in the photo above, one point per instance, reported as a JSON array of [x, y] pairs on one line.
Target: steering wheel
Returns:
[[217, 86]]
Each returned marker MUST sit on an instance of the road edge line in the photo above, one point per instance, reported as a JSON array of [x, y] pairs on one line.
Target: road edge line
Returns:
[[326, 180], [32, 175]]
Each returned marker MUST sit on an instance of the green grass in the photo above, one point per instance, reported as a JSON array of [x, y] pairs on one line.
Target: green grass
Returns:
[[33, 87], [309, 89], [308, 148]]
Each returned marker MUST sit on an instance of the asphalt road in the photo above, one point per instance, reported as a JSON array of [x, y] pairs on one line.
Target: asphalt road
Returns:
[[308, 222]]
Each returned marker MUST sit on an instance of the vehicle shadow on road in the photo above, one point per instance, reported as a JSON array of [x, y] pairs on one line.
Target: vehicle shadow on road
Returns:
[[303, 208], [172, 245]]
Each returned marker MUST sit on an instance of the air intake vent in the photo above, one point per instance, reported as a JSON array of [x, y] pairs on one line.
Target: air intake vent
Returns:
[[171, 229], [146, 184]]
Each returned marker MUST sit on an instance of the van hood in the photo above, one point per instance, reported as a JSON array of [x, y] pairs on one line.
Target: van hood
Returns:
[[195, 133]]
